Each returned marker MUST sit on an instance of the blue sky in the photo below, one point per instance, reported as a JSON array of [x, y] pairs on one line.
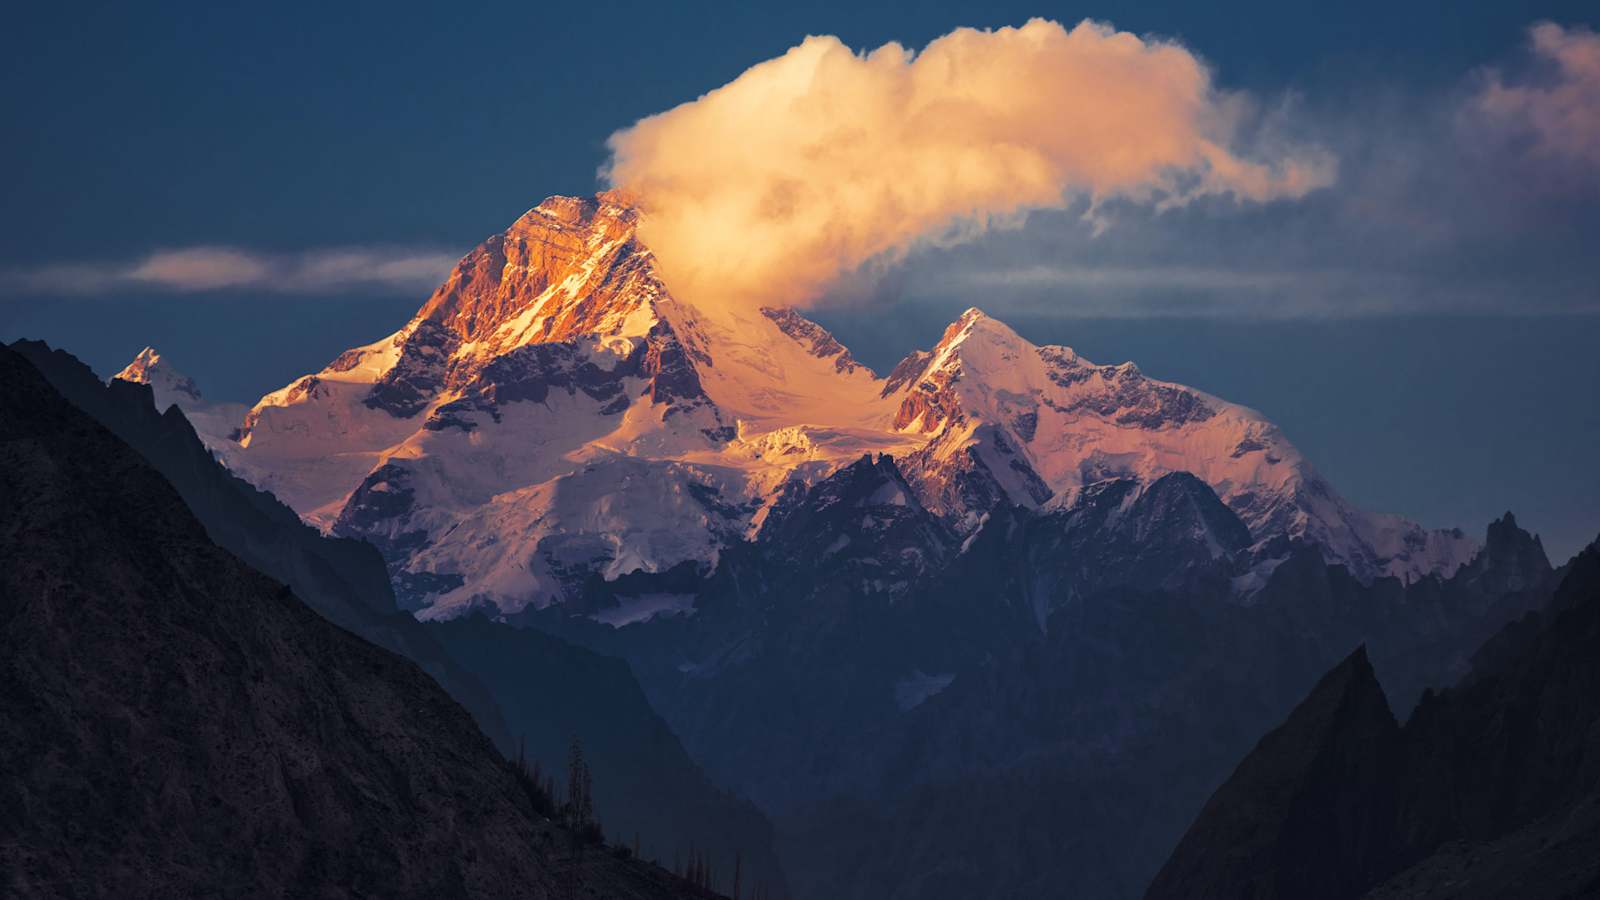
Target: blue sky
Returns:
[[1424, 329]]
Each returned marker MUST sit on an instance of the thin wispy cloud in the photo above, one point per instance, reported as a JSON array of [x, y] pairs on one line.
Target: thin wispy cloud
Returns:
[[1092, 290], [1069, 276], [212, 269]]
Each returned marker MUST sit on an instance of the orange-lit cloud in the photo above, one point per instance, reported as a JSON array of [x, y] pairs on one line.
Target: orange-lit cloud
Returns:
[[1559, 115], [809, 165]]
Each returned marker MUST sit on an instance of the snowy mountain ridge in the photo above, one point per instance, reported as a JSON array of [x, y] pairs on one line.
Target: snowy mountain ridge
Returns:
[[553, 413], [1040, 424]]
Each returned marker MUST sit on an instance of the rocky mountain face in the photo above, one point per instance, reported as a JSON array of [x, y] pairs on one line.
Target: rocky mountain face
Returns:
[[530, 693], [917, 709], [484, 447], [1490, 789], [178, 724]]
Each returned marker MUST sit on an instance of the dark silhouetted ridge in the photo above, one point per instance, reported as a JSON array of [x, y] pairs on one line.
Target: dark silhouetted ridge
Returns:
[[1492, 788], [525, 690], [1307, 813], [343, 579], [176, 724]]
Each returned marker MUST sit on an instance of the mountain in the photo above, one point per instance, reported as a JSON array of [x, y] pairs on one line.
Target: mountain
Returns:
[[1000, 579], [530, 693], [1320, 786], [553, 413], [214, 422], [1011, 422], [1035, 709], [911, 618], [167, 382], [177, 724], [1490, 789], [344, 580], [646, 787]]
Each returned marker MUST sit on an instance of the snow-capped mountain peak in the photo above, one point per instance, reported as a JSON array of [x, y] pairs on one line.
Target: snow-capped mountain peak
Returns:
[[559, 323], [1031, 426], [567, 267], [553, 413], [214, 422], [169, 384]]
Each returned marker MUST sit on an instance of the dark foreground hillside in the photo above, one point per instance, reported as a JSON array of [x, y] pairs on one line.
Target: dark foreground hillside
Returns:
[[174, 723], [344, 580], [646, 788], [1491, 789], [530, 693]]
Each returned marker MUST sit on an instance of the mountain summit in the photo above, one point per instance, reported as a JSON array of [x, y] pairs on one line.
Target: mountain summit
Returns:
[[169, 384], [553, 412]]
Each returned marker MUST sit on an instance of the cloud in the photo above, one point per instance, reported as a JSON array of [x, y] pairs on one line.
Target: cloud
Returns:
[[201, 269], [1554, 113], [1069, 276], [1162, 288], [1451, 201], [813, 164], [191, 270]]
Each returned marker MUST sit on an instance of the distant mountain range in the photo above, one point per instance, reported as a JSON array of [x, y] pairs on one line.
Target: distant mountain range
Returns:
[[994, 625], [554, 411]]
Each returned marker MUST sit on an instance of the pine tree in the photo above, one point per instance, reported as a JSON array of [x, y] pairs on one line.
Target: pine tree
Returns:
[[579, 799]]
